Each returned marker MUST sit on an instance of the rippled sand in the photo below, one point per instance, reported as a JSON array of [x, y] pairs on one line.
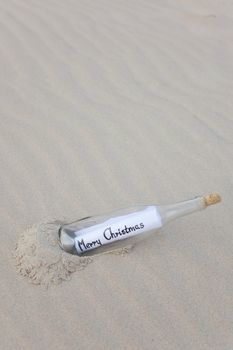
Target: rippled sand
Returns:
[[109, 104]]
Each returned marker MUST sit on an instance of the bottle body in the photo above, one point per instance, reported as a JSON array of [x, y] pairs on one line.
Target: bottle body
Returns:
[[97, 232], [94, 232]]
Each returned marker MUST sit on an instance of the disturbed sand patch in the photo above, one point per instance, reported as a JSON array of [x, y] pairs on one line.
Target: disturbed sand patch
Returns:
[[39, 257]]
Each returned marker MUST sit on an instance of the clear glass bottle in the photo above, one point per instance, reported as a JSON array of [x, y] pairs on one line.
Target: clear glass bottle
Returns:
[[95, 234]]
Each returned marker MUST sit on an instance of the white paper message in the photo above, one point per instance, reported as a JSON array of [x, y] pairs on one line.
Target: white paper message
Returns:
[[117, 228]]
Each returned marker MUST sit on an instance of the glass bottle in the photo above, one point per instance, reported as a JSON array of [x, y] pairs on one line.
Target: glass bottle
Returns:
[[95, 234]]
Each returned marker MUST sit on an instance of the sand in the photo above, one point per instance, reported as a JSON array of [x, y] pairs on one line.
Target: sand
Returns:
[[107, 105], [39, 257]]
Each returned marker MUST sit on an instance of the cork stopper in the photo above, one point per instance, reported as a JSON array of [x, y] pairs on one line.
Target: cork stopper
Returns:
[[211, 199]]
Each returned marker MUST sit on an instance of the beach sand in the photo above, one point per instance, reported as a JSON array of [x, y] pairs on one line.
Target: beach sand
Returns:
[[104, 105]]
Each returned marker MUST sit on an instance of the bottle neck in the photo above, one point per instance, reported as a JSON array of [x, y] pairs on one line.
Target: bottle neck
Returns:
[[173, 211]]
